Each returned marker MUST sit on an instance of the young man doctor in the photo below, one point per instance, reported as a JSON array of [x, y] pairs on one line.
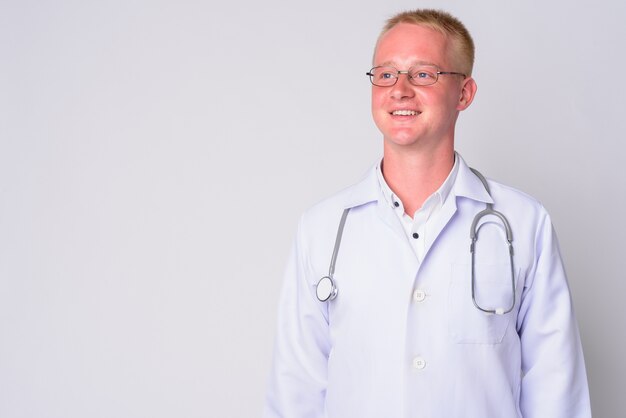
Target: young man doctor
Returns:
[[421, 327]]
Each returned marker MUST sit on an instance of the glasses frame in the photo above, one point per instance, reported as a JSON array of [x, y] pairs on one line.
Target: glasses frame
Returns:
[[370, 75]]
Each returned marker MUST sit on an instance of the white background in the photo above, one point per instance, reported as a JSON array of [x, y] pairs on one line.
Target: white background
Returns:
[[155, 157]]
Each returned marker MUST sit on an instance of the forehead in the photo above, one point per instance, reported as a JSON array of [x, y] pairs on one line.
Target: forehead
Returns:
[[407, 44]]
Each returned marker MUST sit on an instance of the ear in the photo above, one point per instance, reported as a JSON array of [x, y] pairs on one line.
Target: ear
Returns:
[[468, 91]]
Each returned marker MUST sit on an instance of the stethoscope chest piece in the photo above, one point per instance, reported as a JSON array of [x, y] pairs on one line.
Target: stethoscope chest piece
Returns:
[[326, 289]]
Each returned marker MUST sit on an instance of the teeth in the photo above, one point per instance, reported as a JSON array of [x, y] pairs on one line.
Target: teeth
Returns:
[[404, 112]]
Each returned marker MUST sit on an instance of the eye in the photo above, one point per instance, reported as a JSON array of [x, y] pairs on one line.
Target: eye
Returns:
[[383, 76], [386, 75], [424, 75]]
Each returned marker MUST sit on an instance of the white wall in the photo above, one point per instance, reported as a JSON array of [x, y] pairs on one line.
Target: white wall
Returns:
[[155, 157]]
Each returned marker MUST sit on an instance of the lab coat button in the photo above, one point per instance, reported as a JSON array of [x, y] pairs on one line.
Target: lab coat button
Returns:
[[419, 363], [419, 295]]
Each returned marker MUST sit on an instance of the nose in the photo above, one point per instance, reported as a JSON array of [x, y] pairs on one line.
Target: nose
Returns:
[[403, 87]]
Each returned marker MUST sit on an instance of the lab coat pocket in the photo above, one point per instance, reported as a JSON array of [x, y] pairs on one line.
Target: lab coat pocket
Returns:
[[466, 323]]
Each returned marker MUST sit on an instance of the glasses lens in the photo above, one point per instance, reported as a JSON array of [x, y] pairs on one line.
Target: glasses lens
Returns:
[[423, 75], [383, 76]]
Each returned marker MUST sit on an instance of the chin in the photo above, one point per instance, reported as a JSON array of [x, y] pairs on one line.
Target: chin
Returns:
[[402, 142], [403, 139]]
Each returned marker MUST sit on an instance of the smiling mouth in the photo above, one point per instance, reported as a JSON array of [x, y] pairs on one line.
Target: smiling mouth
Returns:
[[405, 113]]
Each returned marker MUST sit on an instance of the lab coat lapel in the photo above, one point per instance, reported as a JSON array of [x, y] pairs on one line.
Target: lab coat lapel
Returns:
[[368, 190], [405, 259], [466, 185], [388, 216]]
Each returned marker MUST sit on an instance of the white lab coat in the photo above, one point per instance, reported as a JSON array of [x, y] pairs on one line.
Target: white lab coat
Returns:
[[403, 339]]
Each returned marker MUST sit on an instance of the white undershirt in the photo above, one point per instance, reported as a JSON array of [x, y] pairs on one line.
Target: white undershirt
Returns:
[[417, 226]]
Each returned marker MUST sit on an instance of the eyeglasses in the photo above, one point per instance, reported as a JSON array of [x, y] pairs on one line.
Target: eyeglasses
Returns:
[[419, 75]]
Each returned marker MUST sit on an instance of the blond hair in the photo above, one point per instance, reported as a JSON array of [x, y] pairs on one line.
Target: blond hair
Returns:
[[445, 23]]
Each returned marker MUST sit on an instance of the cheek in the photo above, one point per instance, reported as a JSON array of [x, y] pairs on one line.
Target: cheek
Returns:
[[377, 106], [444, 100], [377, 99]]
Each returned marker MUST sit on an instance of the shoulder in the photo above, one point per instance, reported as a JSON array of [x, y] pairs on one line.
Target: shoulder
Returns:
[[513, 196], [329, 210], [318, 225], [469, 183], [526, 214]]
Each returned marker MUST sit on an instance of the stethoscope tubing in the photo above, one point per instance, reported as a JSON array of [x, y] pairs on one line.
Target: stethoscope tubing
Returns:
[[326, 289], [474, 238]]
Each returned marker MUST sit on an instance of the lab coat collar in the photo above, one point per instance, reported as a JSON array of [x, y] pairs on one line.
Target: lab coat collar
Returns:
[[436, 200], [466, 185], [365, 191]]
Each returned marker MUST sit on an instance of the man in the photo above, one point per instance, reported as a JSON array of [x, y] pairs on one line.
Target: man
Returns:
[[421, 327]]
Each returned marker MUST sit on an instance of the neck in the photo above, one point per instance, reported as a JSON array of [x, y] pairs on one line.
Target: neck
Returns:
[[414, 176]]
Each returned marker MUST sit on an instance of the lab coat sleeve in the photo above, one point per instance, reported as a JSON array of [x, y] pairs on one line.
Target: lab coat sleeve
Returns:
[[554, 382], [298, 378]]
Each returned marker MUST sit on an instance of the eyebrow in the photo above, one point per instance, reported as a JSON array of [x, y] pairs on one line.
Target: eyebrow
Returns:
[[413, 64]]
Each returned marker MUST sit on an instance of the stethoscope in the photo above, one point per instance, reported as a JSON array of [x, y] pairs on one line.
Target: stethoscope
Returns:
[[326, 289]]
